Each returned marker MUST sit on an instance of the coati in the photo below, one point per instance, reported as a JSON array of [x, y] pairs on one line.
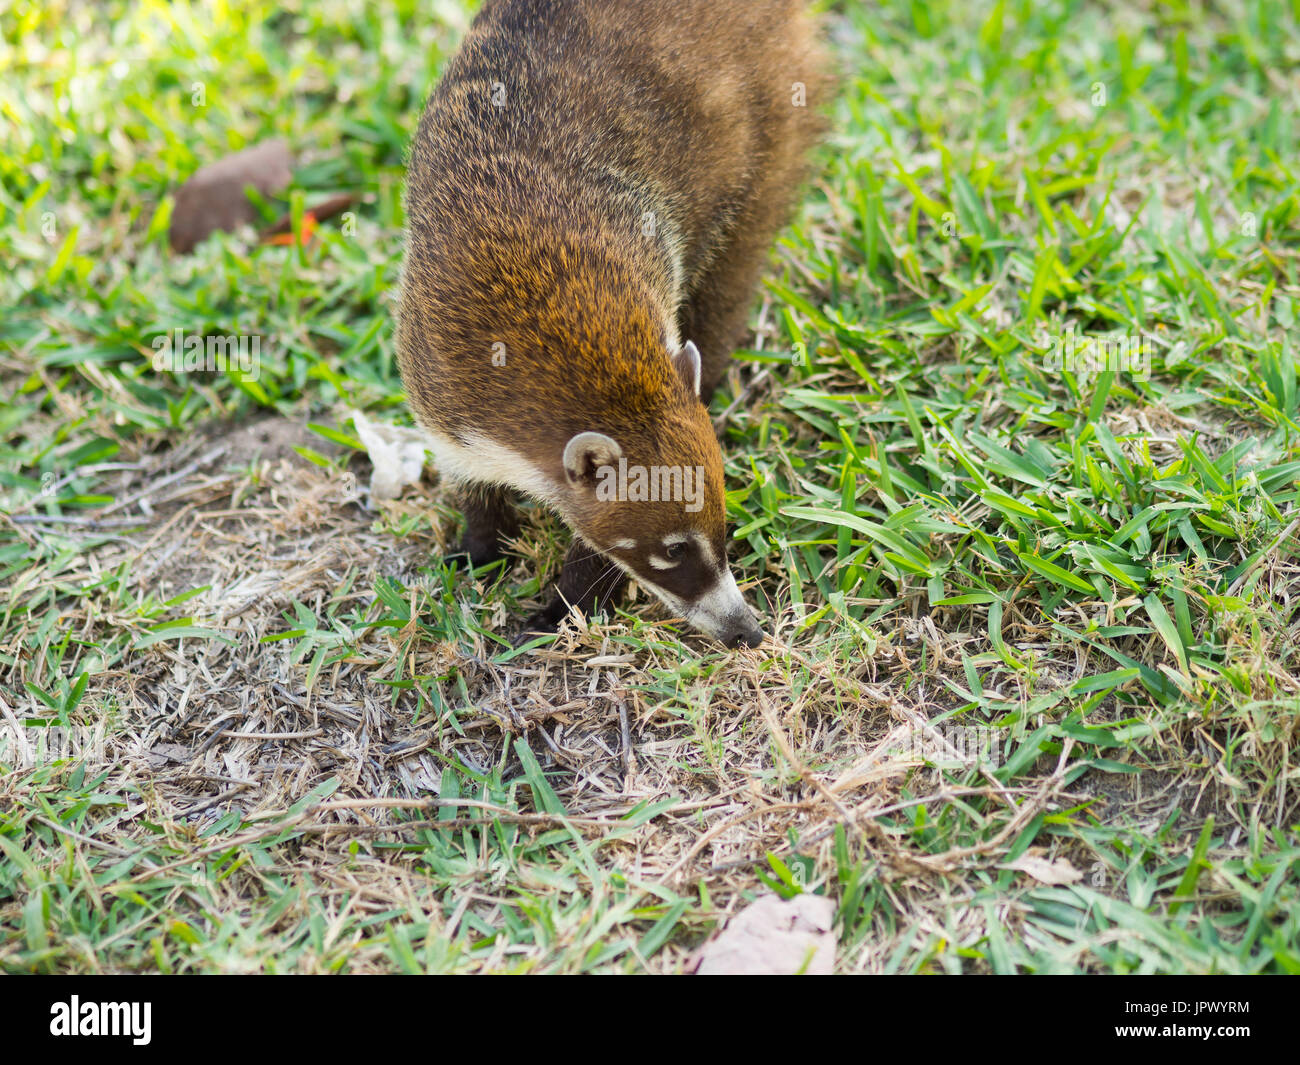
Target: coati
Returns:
[[591, 194]]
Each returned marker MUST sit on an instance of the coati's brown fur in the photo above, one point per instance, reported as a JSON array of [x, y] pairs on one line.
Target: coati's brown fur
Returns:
[[593, 185]]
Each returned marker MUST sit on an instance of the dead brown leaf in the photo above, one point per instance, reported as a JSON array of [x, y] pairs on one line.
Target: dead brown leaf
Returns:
[[775, 937], [214, 198]]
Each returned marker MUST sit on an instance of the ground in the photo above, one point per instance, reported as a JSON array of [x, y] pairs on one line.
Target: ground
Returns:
[[1031, 694]]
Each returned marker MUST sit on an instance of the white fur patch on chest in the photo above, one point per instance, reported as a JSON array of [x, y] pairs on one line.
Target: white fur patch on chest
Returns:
[[480, 460]]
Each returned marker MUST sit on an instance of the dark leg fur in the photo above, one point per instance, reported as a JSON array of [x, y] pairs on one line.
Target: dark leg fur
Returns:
[[490, 520], [588, 580], [718, 311], [716, 314]]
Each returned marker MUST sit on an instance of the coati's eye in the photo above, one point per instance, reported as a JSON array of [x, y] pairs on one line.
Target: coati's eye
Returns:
[[675, 549]]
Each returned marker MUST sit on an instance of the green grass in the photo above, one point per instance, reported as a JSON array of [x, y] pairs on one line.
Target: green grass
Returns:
[[946, 523]]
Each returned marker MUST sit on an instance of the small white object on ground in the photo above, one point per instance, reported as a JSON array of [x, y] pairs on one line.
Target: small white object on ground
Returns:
[[775, 937], [1046, 871], [396, 453]]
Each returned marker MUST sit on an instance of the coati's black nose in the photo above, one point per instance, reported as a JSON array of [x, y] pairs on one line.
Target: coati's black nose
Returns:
[[746, 638]]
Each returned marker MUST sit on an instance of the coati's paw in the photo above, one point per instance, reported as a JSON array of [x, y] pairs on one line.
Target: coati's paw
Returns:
[[545, 622], [476, 553]]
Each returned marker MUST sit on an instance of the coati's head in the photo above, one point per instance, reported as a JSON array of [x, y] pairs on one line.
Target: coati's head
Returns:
[[648, 494]]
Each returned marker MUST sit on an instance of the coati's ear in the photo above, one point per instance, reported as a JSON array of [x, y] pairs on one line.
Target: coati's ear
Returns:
[[586, 453], [687, 363]]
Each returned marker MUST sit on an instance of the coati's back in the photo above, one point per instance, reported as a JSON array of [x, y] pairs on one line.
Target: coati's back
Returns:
[[578, 167]]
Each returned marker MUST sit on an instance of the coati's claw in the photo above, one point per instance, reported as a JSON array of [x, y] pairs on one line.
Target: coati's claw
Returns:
[[540, 624], [477, 553], [464, 560], [524, 637]]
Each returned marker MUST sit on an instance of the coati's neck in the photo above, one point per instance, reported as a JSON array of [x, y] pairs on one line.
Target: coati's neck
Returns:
[[628, 230], [639, 211]]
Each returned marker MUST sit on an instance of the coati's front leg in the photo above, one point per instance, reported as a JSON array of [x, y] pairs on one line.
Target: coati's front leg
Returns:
[[717, 313], [491, 519], [588, 580]]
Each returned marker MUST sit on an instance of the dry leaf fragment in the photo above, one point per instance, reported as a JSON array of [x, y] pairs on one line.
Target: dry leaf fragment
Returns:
[[281, 231], [1046, 871], [775, 937], [214, 198]]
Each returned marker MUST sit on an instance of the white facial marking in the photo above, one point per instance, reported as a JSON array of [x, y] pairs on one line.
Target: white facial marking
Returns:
[[663, 563], [624, 545], [478, 459]]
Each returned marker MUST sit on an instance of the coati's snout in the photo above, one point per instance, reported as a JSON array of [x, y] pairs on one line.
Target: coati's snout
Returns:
[[651, 499]]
